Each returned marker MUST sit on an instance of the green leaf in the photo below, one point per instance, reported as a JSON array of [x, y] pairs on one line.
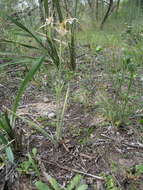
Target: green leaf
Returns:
[[74, 182], [34, 165], [3, 139], [139, 168], [36, 127], [8, 149], [24, 84], [20, 25], [54, 183], [141, 121], [41, 186], [10, 154], [8, 127], [98, 49], [13, 63], [25, 165], [51, 48], [34, 151], [19, 43], [82, 187]]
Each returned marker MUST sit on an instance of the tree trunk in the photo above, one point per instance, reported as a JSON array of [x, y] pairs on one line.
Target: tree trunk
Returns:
[[41, 11], [97, 7], [107, 14], [118, 5]]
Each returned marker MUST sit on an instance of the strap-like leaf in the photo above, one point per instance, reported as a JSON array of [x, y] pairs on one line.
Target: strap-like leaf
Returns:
[[5, 127], [13, 63], [24, 84], [19, 43], [9, 154], [3, 139], [20, 25], [7, 149], [8, 126]]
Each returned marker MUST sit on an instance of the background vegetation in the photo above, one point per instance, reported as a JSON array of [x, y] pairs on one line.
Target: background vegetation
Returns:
[[71, 94]]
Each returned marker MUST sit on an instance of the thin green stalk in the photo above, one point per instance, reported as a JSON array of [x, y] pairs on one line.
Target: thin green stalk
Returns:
[[128, 91], [34, 126], [61, 117], [23, 86]]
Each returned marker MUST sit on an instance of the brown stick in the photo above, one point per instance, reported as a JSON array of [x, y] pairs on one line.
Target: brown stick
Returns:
[[80, 172]]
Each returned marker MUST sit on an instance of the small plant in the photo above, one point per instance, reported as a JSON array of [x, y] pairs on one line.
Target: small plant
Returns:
[[50, 41], [8, 125], [30, 164], [61, 108], [75, 183], [117, 104], [7, 122], [139, 169], [110, 183]]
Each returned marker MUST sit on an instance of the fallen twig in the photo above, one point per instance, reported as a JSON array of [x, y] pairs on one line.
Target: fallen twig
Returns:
[[80, 172], [134, 145], [74, 170]]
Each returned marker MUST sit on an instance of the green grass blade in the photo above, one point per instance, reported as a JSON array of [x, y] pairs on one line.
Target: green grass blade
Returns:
[[8, 149], [35, 126], [19, 43], [9, 153], [13, 63], [52, 51], [17, 60], [8, 127], [24, 84], [5, 126], [3, 139], [20, 25]]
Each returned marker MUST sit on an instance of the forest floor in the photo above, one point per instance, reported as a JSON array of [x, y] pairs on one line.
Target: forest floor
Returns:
[[105, 155]]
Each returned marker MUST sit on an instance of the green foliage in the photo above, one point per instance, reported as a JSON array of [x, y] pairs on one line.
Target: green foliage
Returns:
[[41, 186], [7, 136], [75, 183], [30, 164], [110, 183], [139, 169], [23, 86], [44, 39], [7, 126], [7, 148], [121, 74], [60, 108]]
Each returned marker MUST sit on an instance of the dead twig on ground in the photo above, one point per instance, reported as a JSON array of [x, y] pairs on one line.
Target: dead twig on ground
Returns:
[[75, 170]]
